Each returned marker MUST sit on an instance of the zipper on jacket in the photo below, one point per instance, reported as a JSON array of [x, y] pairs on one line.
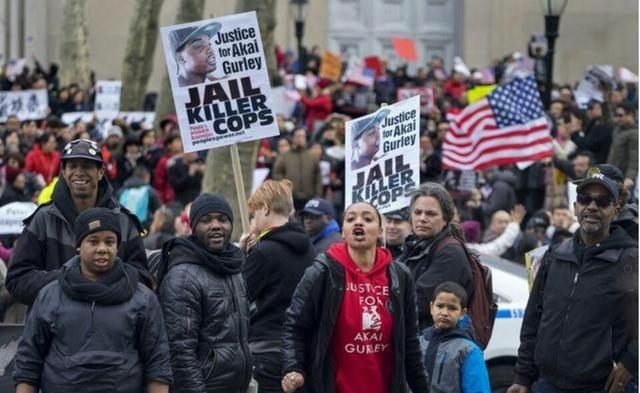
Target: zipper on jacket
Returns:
[[241, 332], [566, 317], [441, 367]]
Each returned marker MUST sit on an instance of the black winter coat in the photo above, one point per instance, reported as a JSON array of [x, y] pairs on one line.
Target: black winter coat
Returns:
[[273, 269], [81, 346], [582, 315], [206, 313], [597, 139], [311, 318], [430, 269], [48, 241]]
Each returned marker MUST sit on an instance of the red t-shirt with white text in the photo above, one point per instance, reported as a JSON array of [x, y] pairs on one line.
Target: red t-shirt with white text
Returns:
[[361, 345]]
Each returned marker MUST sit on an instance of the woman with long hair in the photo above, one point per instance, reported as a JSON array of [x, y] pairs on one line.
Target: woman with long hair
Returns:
[[432, 261], [352, 319]]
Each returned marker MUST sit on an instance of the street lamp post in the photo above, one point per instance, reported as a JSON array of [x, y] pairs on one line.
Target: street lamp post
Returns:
[[299, 16], [553, 9]]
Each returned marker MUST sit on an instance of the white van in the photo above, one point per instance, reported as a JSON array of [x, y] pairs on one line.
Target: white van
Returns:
[[512, 291]]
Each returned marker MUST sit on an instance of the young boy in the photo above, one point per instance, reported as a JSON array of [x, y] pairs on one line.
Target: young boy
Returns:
[[453, 362]]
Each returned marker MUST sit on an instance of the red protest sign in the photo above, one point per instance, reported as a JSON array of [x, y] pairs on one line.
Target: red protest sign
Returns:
[[374, 63], [405, 48]]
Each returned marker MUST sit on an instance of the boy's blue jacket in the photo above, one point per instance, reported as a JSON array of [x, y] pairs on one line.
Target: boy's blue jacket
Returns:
[[454, 363]]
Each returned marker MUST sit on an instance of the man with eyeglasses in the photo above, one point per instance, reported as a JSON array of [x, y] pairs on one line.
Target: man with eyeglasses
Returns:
[[48, 240], [624, 148], [580, 327]]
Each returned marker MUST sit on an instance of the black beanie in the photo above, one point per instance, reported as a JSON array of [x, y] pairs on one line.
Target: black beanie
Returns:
[[209, 203], [95, 220]]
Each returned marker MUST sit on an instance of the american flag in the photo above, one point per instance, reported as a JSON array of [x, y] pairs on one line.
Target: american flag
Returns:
[[506, 127]]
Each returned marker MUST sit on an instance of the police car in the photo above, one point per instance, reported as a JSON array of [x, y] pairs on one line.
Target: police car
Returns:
[[512, 291]]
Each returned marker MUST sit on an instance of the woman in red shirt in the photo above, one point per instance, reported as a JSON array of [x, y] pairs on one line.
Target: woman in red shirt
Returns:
[[352, 324], [44, 160]]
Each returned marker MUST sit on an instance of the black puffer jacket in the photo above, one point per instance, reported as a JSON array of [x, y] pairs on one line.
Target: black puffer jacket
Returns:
[[48, 241], [312, 315], [273, 269], [430, 269], [582, 315], [204, 299], [116, 344]]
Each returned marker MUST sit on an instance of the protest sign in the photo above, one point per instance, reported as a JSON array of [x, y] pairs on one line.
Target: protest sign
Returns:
[[107, 104], [219, 81], [12, 215], [284, 100], [532, 260], [405, 48], [427, 100], [26, 104], [375, 63], [357, 72], [382, 158], [331, 67]]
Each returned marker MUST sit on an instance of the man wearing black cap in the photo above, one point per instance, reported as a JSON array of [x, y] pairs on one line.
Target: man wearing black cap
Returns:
[[95, 328], [580, 328], [204, 299], [366, 139], [318, 218], [194, 54], [628, 216], [398, 227], [48, 240]]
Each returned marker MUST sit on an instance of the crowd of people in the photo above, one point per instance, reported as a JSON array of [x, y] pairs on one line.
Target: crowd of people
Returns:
[[309, 299]]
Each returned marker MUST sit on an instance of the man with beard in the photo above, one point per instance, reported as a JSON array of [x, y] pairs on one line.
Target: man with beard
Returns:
[[580, 328], [194, 54], [48, 240], [94, 329], [204, 300]]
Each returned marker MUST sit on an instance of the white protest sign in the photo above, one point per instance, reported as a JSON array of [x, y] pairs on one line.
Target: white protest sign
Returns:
[[12, 215], [107, 104], [427, 98], [219, 81], [26, 104], [382, 159], [144, 118]]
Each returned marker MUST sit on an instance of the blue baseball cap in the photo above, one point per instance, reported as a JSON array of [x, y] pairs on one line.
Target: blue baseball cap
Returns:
[[319, 207]]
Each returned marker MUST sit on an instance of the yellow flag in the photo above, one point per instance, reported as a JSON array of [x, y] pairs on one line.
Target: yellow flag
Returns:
[[479, 92], [45, 194]]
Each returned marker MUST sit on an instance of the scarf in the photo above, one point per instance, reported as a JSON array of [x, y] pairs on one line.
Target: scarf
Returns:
[[115, 287], [190, 250]]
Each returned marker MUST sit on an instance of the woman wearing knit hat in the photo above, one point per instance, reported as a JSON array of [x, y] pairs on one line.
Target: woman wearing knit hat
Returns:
[[94, 329]]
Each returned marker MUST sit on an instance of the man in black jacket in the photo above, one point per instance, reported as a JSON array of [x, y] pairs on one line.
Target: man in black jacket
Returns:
[[318, 218], [598, 134], [48, 240], [274, 267], [204, 299], [580, 328], [95, 328]]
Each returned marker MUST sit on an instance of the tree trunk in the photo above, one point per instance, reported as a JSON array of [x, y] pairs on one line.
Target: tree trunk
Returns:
[[188, 11], [138, 60], [74, 65], [218, 177]]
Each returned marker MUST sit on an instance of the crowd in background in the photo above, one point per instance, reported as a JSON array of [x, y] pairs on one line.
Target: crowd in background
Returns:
[[310, 150]]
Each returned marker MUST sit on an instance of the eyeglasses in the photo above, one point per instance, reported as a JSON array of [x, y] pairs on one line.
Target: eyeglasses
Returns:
[[620, 114], [602, 201]]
